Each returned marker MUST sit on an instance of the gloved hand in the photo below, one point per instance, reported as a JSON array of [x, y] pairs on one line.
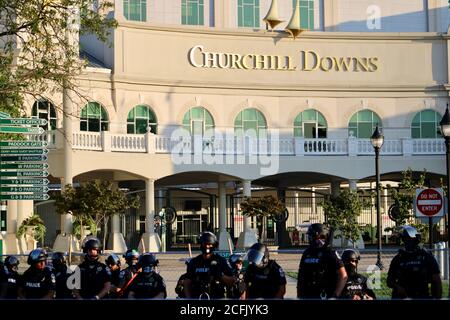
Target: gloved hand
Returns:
[[215, 269]]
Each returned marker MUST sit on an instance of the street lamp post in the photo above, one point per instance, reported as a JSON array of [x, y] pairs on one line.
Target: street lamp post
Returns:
[[445, 130], [377, 140]]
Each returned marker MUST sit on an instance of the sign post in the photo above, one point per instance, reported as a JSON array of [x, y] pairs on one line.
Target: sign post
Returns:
[[429, 207]]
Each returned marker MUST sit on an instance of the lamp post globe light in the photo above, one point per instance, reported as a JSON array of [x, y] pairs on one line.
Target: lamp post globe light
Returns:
[[445, 130], [377, 140]]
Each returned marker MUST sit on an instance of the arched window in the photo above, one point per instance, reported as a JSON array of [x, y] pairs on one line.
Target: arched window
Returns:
[[135, 10], [250, 120], [363, 123], [310, 124], [306, 13], [192, 12], [94, 118], [425, 125], [248, 13], [197, 120], [140, 118], [43, 109]]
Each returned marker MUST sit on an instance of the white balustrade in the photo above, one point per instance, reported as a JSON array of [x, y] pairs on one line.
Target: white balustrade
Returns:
[[87, 141], [241, 145], [128, 142]]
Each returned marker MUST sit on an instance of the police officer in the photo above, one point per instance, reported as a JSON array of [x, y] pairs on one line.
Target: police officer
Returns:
[[238, 288], [148, 283], [179, 288], [95, 276], [38, 281], [62, 275], [264, 278], [412, 269], [356, 285], [113, 263], [126, 275], [9, 278], [321, 273], [208, 274]]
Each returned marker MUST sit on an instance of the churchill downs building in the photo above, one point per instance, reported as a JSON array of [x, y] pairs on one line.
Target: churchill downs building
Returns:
[[200, 102]]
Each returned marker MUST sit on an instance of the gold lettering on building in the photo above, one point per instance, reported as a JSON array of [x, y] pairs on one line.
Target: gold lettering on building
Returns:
[[308, 60]]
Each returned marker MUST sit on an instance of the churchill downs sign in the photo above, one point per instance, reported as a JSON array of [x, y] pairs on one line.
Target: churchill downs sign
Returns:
[[307, 60]]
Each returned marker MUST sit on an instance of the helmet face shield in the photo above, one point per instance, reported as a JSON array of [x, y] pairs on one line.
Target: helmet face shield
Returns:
[[255, 257]]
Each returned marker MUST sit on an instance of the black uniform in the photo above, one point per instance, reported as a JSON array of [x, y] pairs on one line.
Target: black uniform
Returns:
[[94, 275], [36, 283], [61, 276], [8, 283], [147, 286], [179, 288], [205, 276], [125, 276], [318, 273], [412, 271], [238, 287], [264, 282], [357, 285]]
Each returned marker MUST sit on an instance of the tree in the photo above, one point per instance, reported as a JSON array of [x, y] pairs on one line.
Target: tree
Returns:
[[342, 213], [262, 208], [96, 200], [403, 197], [36, 55]]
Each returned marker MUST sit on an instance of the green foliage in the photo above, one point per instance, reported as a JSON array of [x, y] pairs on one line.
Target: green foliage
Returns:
[[342, 213], [48, 60], [266, 206], [32, 221], [94, 201], [403, 197], [79, 224]]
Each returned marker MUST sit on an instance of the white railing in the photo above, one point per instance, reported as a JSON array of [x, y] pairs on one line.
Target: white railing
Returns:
[[128, 142], [235, 145], [390, 147], [87, 141], [428, 146], [49, 136], [324, 147]]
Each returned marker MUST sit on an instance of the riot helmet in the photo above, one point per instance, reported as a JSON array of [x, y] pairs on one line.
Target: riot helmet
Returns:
[[131, 257], [37, 255], [208, 242], [148, 262], [350, 258], [318, 235], [113, 260], [92, 244], [411, 238], [12, 263], [58, 260], [236, 261], [258, 255]]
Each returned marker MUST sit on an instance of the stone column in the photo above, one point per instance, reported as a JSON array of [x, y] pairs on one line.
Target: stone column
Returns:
[[335, 188], [352, 184], [150, 241], [116, 241], [247, 237], [10, 241], [65, 241], [224, 236]]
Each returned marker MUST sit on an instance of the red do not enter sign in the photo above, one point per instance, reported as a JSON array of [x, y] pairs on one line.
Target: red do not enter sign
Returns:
[[429, 202]]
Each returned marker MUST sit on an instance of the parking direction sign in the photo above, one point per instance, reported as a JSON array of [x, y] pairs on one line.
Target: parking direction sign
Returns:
[[38, 189], [23, 158], [20, 143], [24, 166], [31, 196], [23, 151], [4, 115], [23, 121], [429, 203], [31, 182], [24, 173]]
